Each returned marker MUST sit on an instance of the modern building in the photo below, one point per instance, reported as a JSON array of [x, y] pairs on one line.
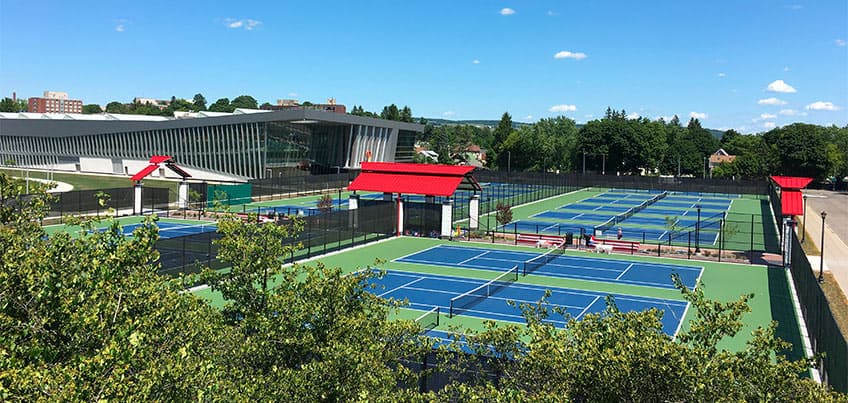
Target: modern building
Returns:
[[54, 102], [242, 145]]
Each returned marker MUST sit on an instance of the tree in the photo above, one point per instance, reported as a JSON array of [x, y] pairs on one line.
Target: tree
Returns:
[[244, 102], [500, 134], [199, 102], [504, 213], [265, 105], [116, 107], [91, 109], [729, 136], [390, 112], [800, 148], [221, 105], [9, 105], [405, 114], [325, 203]]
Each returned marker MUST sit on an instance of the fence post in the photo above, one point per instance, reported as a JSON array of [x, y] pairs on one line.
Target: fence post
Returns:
[[689, 247], [752, 237], [720, 236]]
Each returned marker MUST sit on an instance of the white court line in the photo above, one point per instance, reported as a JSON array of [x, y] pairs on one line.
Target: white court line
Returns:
[[625, 271], [583, 312], [680, 321], [402, 286], [474, 257]]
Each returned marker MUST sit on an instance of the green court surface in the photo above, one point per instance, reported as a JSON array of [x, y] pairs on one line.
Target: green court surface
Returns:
[[720, 281], [74, 230]]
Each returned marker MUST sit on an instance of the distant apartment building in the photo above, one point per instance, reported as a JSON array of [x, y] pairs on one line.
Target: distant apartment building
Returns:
[[159, 103], [54, 102], [288, 104]]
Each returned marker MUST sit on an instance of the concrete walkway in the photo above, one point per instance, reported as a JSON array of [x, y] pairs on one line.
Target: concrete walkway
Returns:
[[835, 233], [60, 186]]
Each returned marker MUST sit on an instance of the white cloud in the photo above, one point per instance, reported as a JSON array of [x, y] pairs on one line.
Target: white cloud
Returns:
[[664, 118], [698, 115], [780, 86], [633, 115], [551, 13], [120, 28], [589, 116], [248, 24], [292, 94], [570, 55], [475, 61], [563, 108], [794, 6], [840, 42], [765, 116], [769, 125], [507, 11], [722, 75], [822, 106], [791, 112], [528, 117], [786, 68], [449, 114], [771, 101]]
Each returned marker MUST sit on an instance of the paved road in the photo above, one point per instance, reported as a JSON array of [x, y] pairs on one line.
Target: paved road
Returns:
[[836, 231]]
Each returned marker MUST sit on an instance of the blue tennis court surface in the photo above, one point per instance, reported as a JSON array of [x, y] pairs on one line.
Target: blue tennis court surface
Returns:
[[424, 292], [584, 268], [172, 230]]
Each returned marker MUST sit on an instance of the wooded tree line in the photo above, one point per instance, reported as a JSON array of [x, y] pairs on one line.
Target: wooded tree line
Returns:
[[618, 145], [87, 318]]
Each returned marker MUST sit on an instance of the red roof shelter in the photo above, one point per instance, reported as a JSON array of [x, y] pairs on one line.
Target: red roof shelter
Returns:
[[157, 160], [420, 179], [791, 203]]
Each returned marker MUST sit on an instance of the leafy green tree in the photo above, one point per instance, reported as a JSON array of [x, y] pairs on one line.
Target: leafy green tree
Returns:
[[729, 136], [91, 109], [500, 136], [504, 213], [116, 107], [222, 105], [9, 105], [244, 102], [265, 105], [405, 114], [199, 102], [800, 148], [390, 112]]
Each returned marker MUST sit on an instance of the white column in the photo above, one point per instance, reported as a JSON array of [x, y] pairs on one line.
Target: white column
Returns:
[[400, 216], [474, 212], [447, 220], [137, 205], [182, 198], [353, 210]]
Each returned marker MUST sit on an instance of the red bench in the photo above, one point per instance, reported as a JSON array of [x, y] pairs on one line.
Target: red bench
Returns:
[[617, 245], [539, 240]]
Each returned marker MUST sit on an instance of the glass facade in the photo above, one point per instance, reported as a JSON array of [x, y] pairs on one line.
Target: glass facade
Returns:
[[247, 150]]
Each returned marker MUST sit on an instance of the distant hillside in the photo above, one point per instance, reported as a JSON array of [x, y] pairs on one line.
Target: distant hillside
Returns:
[[494, 123]]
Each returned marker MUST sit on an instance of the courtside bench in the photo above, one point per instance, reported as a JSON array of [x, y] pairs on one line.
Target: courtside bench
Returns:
[[617, 245], [539, 240]]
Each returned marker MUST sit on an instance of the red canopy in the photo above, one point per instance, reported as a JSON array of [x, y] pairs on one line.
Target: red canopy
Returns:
[[144, 172], [422, 179], [154, 163], [791, 202]]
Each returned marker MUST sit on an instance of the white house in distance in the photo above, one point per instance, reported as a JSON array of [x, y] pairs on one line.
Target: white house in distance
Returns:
[[720, 157]]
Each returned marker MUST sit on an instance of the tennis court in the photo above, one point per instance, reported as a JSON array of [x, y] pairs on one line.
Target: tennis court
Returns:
[[583, 268], [473, 297], [169, 230]]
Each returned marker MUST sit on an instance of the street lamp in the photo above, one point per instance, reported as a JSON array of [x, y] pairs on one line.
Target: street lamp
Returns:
[[604, 165], [704, 167], [698, 231], [821, 264], [804, 234], [584, 162]]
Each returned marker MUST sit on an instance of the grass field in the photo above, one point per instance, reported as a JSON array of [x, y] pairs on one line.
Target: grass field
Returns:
[[720, 281], [91, 182]]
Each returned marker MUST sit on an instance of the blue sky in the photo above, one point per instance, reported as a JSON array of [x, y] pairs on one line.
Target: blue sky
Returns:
[[748, 65]]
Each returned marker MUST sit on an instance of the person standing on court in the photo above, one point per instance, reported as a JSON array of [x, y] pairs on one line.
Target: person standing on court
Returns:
[[620, 234]]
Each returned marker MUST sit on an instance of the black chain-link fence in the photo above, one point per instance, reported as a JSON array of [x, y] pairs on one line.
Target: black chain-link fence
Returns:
[[122, 200], [824, 332], [321, 234]]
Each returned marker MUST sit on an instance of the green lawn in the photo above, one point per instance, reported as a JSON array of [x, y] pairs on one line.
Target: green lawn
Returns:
[[91, 182]]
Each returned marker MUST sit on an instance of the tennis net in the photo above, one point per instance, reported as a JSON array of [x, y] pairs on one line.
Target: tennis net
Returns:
[[428, 320], [467, 300], [541, 260], [183, 230]]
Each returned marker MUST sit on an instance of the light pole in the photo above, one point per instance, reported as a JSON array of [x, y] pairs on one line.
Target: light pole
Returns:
[[704, 167], [821, 264], [584, 162], [604, 164], [698, 231], [804, 234], [508, 162]]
